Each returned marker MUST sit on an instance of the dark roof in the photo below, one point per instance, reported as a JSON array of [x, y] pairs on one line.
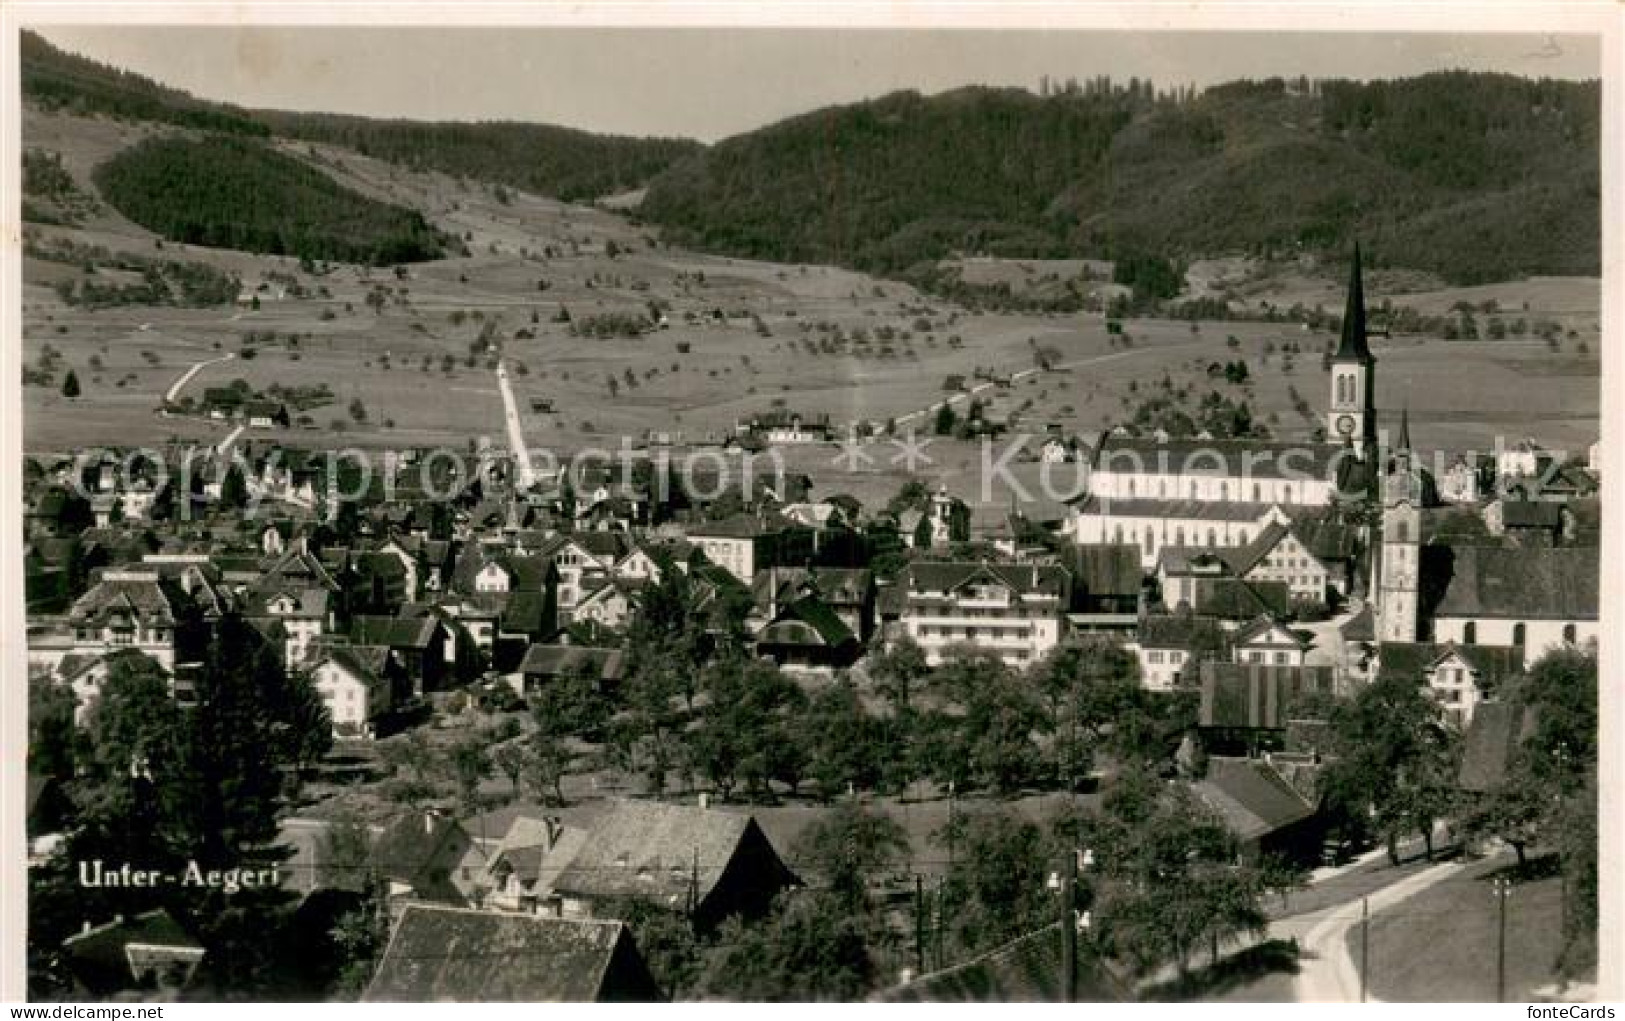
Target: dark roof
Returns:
[[1498, 728], [1351, 345], [1328, 536], [1252, 695], [414, 848], [1179, 631], [1025, 970], [1265, 624], [1106, 569], [1361, 627], [648, 850], [1247, 458], [807, 622], [1411, 660], [526, 613], [1235, 599], [450, 954], [394, 632], [107, 959], [1251, 797], [1531, 514], [1541, 584], [556, 660], [1024, 579]]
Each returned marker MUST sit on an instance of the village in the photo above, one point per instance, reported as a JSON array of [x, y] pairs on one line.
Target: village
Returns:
[[553, 702]]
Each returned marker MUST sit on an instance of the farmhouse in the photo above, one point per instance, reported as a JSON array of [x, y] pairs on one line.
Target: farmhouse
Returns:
[[354, 682], [1461, 677]]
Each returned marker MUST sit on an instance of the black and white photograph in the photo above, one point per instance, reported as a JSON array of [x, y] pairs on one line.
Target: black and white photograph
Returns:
[[1014, 508]]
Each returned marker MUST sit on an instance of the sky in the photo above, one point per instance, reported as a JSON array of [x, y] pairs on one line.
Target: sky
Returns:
[[708, 83]]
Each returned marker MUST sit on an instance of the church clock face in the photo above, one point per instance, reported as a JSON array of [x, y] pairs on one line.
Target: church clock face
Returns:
[[1345, 425]]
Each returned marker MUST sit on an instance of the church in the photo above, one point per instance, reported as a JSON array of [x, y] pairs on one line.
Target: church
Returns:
[[1161, 494]]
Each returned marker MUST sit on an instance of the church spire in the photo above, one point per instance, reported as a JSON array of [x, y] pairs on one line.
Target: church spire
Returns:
[[1405, 428], [1352, 346]]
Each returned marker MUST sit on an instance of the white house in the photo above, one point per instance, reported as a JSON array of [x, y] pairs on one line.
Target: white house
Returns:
[[353, 683], [1015, 611]]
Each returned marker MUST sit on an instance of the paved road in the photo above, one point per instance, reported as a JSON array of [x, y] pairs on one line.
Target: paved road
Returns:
[[516, 432], [186, 377]]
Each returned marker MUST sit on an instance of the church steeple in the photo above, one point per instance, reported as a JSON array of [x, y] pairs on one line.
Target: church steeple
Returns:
[[1405, 429], [1352, 416], [1352, 347]]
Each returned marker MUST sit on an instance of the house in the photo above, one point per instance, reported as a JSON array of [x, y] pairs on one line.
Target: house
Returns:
[[744, 544], [1279, 554], [1247, 707], [87, 674], [848, 592], [781, 425], [703, 862], [1535, 599], [441, 954], [148, 953], [417, 643], [1465, 481], [1170, 647], [131, 608], [607, 603], [943, 521], [543, 665], [1267, 641], [1015, 611], [1179, 569], [806, 634], [223, 402], [1264, 812], [417, 857], [357, 684], [305, 615], [525, 861], [1459, 676], [264, 414], [1528, 523], [1237, 602], [1107, 584]]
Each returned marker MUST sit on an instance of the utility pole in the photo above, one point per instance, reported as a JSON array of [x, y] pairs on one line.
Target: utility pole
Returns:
[[1069, 929], [919, 924], [1365, 943], [1502, 893]]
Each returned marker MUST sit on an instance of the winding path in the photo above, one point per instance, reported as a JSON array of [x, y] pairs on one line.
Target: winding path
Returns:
[[186, 377]]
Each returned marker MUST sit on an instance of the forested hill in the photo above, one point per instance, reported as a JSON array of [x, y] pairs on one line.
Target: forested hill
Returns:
[[1474, 176], [561, 162], [549, 160]]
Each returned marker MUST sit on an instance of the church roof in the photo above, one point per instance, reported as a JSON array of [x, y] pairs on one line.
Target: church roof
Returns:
[[1352, 346], [1244, 459], [1539, 584]]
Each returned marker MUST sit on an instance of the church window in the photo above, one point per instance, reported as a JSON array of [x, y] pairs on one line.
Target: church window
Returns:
[[1131, 487], [1519, 633], [1258, 493], [1212, 538], [1402, 531], [1224, 490], [1179, 536], [1568, 634], [1288, 494], [1117, 534], [1469, 633], [1193, 489]]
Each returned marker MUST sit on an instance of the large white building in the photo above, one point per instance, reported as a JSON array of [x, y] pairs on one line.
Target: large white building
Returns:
[[1014, 611]]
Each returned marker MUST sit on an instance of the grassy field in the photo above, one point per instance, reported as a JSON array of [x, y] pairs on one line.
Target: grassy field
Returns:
[[1440, 945], [528, 257]]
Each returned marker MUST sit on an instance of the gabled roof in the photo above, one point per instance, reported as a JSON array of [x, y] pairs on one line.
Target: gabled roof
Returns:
[[1023, 579], [451, 954], [1412, 661], [1251, 797], [808, 621], [1106, 569], [1361, 627], [110, 957], [536, 850], [1235, 599], [555, 660], [1539, 584], [394, 632], [142, 596], [365, 662], [1255, 696], [648, 850], [1531, 514], [526, 613], [1264, 626], [1179, 631], [415, 849], [1252, 554]]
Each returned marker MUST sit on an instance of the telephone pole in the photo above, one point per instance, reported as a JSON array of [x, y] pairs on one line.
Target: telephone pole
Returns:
[[1069, 930], [1365, 943], [919, 924], [1502, 891]]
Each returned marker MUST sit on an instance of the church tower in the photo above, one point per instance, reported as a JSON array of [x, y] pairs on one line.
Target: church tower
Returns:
[[1404, 491], [1353, 414]]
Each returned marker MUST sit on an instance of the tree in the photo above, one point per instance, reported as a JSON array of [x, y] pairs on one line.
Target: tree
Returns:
[[234, 489], [53, 740], [743, 735], [808, 948], [1396, 757], [546, 760], [509, 759], [897, 671], [468, 763], [847, 846], [358, 410], [840, 740], [946, 420], [70, 385]]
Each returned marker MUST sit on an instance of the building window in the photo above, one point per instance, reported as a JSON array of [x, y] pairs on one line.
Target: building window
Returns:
[[1568, 634], [1519, 632], [1212, 538], [1469, 633], [1258, 493]]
